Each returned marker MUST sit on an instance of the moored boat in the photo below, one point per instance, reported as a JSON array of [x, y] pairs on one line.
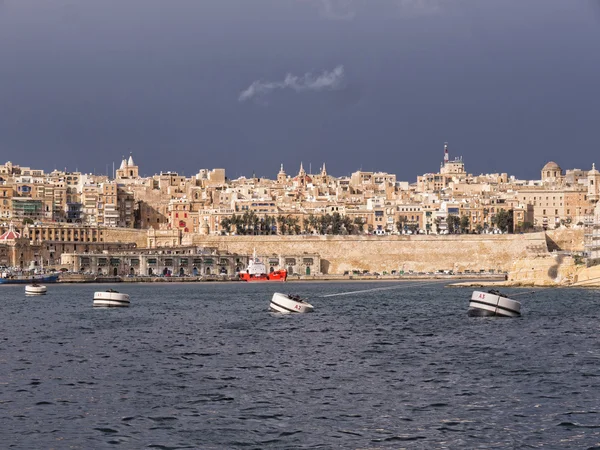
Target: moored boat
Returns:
[[35, 289], [289, 303], [20, 278], [257, 271], [111, 298], [493, 303]]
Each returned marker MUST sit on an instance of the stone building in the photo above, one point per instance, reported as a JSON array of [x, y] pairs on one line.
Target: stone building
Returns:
[[182, 261]]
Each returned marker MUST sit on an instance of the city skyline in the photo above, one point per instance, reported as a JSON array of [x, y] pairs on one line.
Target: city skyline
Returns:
[[292, 170], [376, 85]]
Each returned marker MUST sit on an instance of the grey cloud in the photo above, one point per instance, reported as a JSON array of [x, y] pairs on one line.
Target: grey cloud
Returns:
[[327, 80], [337, 9]]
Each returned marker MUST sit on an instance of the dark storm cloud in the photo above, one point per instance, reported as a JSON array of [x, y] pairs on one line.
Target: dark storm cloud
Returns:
[[509, 83]]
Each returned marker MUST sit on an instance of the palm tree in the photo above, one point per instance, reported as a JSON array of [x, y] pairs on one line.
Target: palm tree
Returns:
[[464, 224], [313, 222], [360, 224], [226, 224], [348, 225], [305, 225], [281, 228], [293, 225], [336, 223]]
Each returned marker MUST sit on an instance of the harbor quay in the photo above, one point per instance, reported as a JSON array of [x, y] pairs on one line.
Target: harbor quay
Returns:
[[194, 262], [540, 258]]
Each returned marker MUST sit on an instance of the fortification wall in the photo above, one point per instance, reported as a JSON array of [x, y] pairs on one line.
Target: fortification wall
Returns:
[[566, 239], [543, 270], [129, 235], [386, 253]]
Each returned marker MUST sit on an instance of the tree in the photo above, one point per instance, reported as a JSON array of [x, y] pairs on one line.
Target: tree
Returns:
[[401, 225], [453, 224], [281, 224], [438, 224], [478, 228], [360, 224], [336, 223], [347, 225], [293, 225], [305, 225], [464, 224], [504, 220], [226, 224], [313, 222]]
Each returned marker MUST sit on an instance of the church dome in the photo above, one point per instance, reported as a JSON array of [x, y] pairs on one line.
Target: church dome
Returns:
[[551, 166]]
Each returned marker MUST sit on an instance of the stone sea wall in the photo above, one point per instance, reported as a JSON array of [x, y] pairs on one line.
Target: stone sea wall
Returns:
[[528, 258], [386, 253], [565, 239]]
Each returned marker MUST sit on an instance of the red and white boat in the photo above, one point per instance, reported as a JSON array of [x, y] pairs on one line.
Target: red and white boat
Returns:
[[257, 271]]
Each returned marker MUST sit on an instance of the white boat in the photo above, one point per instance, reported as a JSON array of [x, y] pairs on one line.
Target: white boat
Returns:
[[111, 298], [35, 289], [493, 303], [288, 303]]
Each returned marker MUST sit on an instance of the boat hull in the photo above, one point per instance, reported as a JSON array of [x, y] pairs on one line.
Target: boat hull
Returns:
[[111, 299], [279, 275], [284, 304], [35, 290], [486, 304], [29, 279]]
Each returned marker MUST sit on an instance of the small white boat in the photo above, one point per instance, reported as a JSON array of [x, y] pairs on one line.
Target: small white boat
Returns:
[[493, 303], [288, 303], [111, 298], [35, 289]]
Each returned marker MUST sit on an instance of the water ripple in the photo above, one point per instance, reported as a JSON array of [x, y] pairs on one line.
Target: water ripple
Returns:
[[182, 368]]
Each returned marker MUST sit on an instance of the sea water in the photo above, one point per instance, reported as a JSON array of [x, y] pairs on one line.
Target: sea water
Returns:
[[206, 365]]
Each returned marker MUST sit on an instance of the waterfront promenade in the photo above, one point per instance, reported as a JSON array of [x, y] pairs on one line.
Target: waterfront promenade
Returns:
[[72, 278]]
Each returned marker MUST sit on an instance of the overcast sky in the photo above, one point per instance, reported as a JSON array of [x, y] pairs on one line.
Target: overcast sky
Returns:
[[247, 85]]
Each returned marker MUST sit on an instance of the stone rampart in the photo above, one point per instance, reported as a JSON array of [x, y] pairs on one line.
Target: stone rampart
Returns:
[[566, 239], [127, 235], [473, 252]]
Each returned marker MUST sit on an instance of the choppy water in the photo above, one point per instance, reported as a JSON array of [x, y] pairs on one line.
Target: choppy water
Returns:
[[207, 366]]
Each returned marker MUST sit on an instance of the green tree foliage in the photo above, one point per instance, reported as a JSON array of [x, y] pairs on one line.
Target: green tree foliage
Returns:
[[453, 223], [464, 224], [504, 220]]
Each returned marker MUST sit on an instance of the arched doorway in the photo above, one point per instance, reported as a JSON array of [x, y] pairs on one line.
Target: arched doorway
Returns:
[[165, 271], [207, 271], [131, 271], [290, 270], [115, 272], [223, 271], [150, 271], [181, 271], [307, 270], [195, 271], [272, 269]]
